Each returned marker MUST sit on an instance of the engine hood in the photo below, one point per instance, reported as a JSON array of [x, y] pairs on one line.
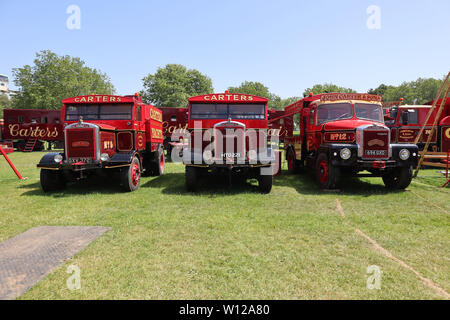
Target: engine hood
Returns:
[[350, 124]]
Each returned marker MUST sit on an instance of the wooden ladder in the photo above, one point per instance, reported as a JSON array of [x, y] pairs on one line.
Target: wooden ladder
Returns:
[[30, 145], [425, 154]]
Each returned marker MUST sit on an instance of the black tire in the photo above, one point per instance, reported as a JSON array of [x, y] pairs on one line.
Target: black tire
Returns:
[[154, 164], [294, 166], [192, 175], [398, 178], [130, 177], [327, 175], [52, 180], [265, 183], [159, 163]]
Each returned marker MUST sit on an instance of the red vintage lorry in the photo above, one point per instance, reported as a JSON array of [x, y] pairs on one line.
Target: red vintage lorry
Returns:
[[106, 134], [29, 128], [343, 134], [228, 138]]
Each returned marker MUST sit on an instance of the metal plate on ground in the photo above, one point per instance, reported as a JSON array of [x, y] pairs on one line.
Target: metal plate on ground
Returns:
[[28, 257]]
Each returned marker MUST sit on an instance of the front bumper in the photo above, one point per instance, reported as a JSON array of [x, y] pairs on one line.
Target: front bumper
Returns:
[[363, 164]]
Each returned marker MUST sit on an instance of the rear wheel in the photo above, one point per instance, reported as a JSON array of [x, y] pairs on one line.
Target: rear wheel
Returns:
[[293, 164], [399, 178], [192, 174], [265, 183], [327, 175], [52, 180], [131, 176]]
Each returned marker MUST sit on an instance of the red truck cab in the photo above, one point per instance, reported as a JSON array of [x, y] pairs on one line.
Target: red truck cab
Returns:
[[106, 134]]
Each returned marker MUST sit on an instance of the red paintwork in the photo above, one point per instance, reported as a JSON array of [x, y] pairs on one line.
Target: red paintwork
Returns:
[[229, 98], [407, 133], [174, 118], [32, 127]]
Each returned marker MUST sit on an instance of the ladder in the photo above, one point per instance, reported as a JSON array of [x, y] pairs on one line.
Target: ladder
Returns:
[[425, 154], [29, 147]]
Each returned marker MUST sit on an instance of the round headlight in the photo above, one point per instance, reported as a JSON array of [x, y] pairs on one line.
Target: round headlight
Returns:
[[58, 158], [404, 154], [345, 153], [104, 157]]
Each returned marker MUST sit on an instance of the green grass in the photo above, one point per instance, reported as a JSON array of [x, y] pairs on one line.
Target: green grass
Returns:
[[218, 243]]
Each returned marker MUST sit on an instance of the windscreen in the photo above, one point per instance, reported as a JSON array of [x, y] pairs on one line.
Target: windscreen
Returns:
[[224, 111], [117, 111], [369, 111], [334, 111]]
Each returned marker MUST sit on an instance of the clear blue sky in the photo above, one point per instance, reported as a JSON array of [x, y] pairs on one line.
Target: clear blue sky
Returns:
[[287, 45]]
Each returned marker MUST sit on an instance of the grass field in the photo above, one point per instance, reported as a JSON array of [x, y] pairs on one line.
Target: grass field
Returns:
[[219, 243]]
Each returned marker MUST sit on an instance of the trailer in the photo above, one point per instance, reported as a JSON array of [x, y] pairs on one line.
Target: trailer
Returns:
[[28, 129], [106, 135]]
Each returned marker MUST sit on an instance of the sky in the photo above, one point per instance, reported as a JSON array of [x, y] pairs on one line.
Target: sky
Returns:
[[287, 45]]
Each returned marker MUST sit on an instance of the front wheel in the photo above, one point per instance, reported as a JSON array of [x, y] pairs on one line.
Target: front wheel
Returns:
[[131, 176], [52, 180], [398, 178], [327, 175]]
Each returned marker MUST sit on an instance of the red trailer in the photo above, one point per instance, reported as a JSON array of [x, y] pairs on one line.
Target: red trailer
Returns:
[[29, 128], [340, 134], [173, 119], [406, 121], [106, 135]]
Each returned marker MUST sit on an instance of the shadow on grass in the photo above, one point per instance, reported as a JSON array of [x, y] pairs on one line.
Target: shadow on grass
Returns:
[[82, 187], [306, 184], [174, 183]]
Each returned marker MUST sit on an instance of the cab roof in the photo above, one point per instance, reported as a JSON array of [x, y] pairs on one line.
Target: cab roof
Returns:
[[227, 97]]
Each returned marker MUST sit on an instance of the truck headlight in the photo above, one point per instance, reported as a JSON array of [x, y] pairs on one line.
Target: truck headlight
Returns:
[[104, 157], [345, 153], [58, 158], [404, 154]]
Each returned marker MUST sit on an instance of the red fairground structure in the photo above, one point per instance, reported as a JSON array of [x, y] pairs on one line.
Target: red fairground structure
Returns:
[[29, 128], [228, 138], [173, 119], [105, 134], [405, 122], [344, 134]]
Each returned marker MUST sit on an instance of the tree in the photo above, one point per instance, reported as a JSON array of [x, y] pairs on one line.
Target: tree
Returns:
[[4, 103], [419, 91], [260, 90], [172, 85], [326, 88], [53, 78], [380, 90]]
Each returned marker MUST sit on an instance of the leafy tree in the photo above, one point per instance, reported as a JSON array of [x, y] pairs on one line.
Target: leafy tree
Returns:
[[327, 88], [380, 90], [53, 78], [172, 85], [254, 88], [259, 89], [419, 91], [4, 103]]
